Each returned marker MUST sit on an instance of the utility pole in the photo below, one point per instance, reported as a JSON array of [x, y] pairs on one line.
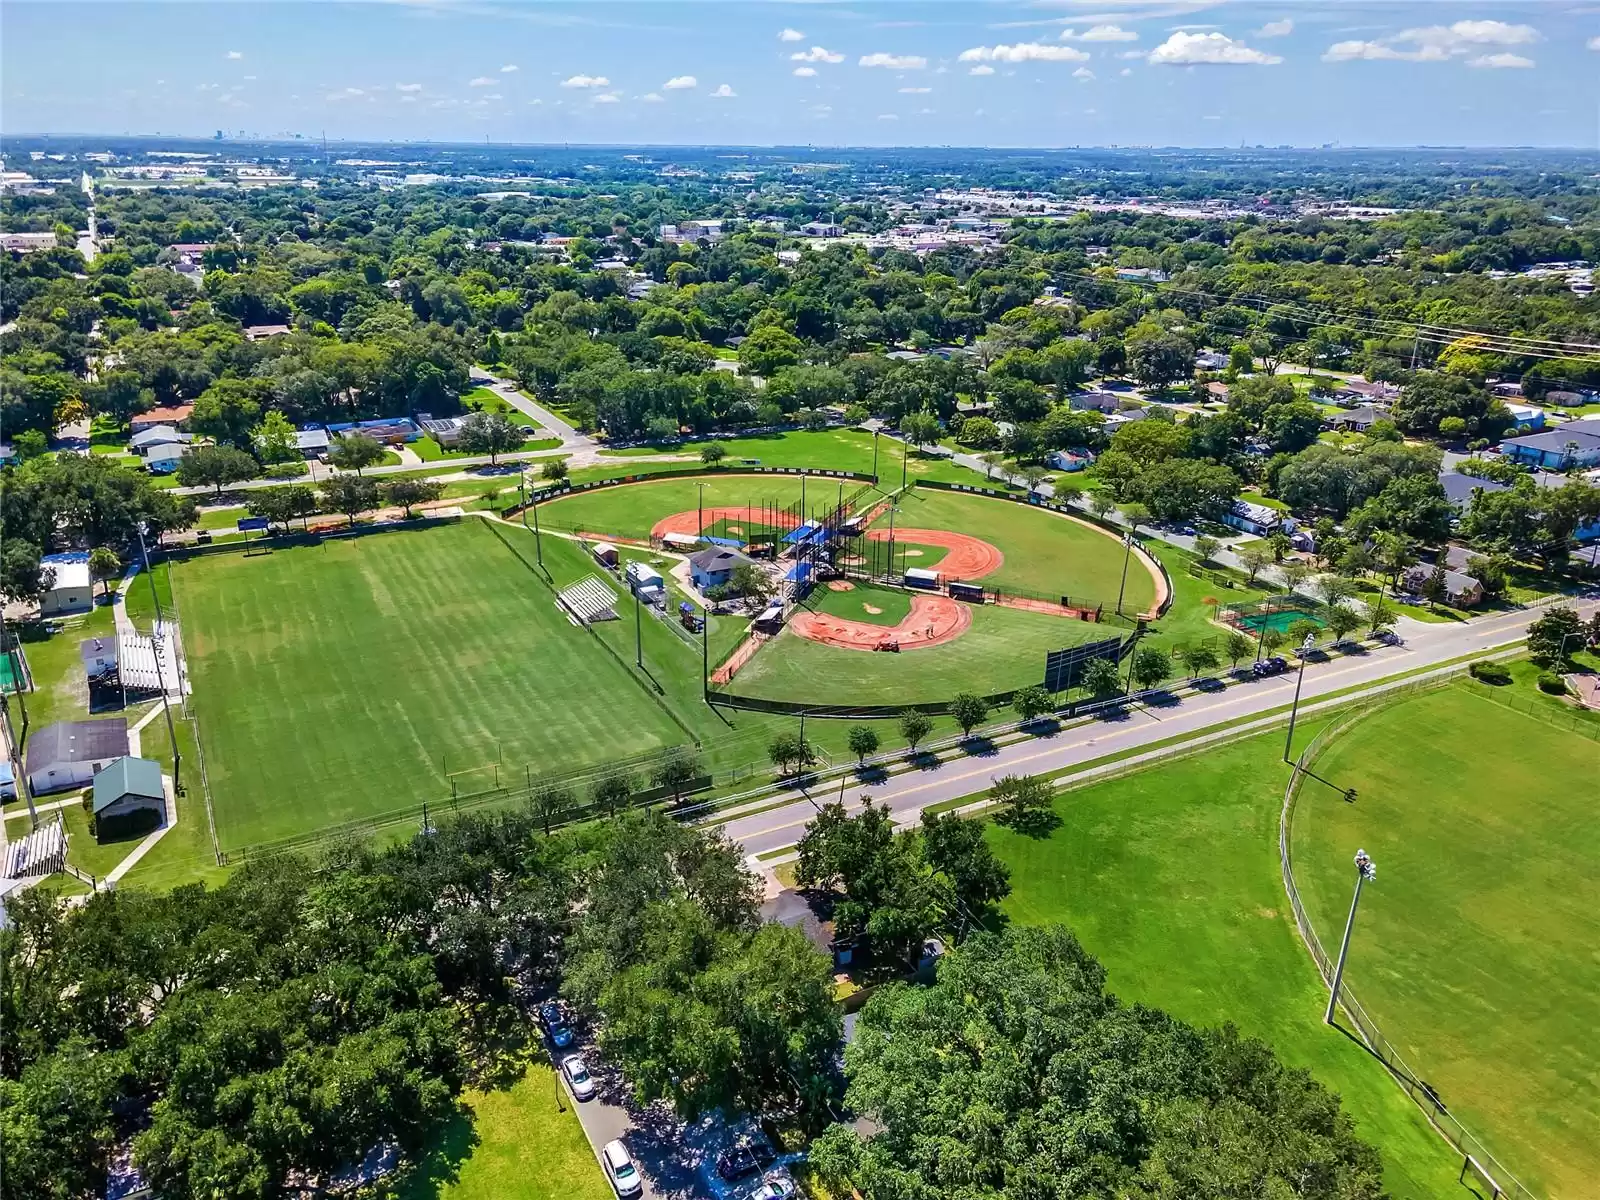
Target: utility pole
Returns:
[[638, 639], [161, 680], [1294, 710], [1127, 552], [538, 542], [705, 653], [1365, 870], [700, 511], [875, 434]]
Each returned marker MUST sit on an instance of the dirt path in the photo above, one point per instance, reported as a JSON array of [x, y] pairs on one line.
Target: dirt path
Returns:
[[968, 557], [695, 520]]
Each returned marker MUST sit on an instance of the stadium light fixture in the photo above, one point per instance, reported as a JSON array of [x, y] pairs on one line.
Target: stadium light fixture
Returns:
[[1365, 870]]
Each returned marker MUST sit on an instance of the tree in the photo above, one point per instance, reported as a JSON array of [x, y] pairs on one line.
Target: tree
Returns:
[[1303, 631], [992, 461], [768, 350], [350, 495], [549, 802], [1031, 702], [1556, 634], [712, 453], [1254, 558], [229, 410], [355, 452], [1101, 679], [863, 742], [1235, 647], [1184, 489], [980, 433], [104, 565], [969, 711], [1150, 667], [1205, 546], [554, 469], [1435, 589], [1343, 621], [920, 429], [408, 493], [1333, 589], [1101, 504], [751, 582], [678, 768], [280, 505], [914, 726], [1198, 658], [612, 792], [790, 753], [956, 850], [1271, 640], [1135, 514], [215, 467], [1379, 614], [1158, 359], [1032, 476], [490, 433], [274, 438], [1021, 796]]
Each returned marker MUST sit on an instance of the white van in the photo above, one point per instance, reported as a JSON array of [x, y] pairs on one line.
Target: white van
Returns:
[[620, 1170]]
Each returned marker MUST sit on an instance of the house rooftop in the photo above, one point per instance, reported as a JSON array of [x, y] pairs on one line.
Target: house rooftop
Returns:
[[718, 558], [128, 776], [1458, 488], [77, 741]]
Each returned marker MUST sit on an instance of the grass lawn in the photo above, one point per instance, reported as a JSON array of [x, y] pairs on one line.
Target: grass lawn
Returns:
[[516, 1145], [1170, 877], [60, 691], [340, 681], [1004, 649], [1045, 553], [630, 510], [1475, 949], [874, 605]]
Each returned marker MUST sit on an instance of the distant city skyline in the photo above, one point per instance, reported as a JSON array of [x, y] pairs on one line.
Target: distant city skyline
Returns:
[[1022, 73]]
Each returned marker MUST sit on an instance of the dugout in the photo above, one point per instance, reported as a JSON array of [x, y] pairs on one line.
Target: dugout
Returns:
[[972, 593], [604, 553], [921, 577]]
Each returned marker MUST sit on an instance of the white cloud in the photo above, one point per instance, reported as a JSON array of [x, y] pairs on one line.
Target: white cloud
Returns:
[[981, 71], [483, 81], [408, 87], [1500, 61], [1209, 49], [679, 83], [1274, 29], [1132, 54], [349, 93], [888, 116], [805, 72], [1023, 52], [1126, 71], [235, 54], [895, 62], [815, 55], [1435, 43], [1083, 73], [608, 98], [1594, 43], [910, 91], [1100, 33], [586, 81], [508, 68], [791, 35], [723, 92], [651, 97]]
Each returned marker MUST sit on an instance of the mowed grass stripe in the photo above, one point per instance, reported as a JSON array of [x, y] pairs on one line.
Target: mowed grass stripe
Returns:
[[341, 681], [1475, 948]]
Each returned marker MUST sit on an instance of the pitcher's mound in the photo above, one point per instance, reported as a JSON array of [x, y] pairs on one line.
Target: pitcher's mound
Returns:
[[840, 585]]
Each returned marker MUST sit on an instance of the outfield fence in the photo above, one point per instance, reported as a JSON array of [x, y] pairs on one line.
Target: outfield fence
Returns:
[[1571, 722], [1475, 1155]]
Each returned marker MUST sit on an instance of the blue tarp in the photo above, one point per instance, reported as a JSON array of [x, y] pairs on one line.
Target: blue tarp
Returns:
[[801, 533], [798, 573], [716, 541]]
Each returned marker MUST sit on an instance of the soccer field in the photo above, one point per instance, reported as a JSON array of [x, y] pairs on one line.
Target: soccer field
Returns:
[[1044, 552], [1474, 949], [341, 681], [1004, 649]]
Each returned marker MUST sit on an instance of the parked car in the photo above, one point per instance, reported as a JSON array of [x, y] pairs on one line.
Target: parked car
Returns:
[[620, 1170], [578, 1077], [1276, 665], [777, 1184], [555, 1024], [743, 1159]]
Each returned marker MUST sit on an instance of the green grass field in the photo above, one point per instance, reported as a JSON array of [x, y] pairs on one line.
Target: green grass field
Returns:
[[1170, 877], [1044, 553], [1475, 948], [1004, 649], [338, 681], [632, 509], [516, 1145], [863, 602]]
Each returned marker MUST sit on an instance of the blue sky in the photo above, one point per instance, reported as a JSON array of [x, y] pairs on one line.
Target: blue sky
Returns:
[[902, 72]]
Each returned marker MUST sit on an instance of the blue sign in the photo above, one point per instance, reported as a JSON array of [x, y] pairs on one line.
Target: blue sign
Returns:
[[246, 524]]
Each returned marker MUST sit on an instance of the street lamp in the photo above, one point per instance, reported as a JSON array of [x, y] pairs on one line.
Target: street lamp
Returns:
[[1365, 870], [1306, 647], [1127, 552]]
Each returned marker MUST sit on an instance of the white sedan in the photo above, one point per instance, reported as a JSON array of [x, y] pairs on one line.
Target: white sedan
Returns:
[[578, 1077]]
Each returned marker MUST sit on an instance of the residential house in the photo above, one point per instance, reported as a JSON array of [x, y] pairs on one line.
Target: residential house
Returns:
[[256, 333], [714, 567], [1117, 420], [1567, 398], [1218, 391], [1459, 489], [1527, 417], [1561, 449], [1210, 360], [69, 754], [312, 443], [391, 431], [444, 430], [71, 588], [129, 797], [1460, 589], [821, 229], [1075, 458], [1359, 420], [163, 459], [1106, 402], [1257, 519], [8, 454], [174, 416], [1506, 389]]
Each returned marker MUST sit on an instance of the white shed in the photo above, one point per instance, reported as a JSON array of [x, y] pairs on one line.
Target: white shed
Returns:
[[72, 590]]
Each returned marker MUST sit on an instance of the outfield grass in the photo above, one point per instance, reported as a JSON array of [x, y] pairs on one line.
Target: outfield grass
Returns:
[[516, 1145], [631, 510], [863, 602], [1003, 649], [1475, 948], [1045, 553], [1170, 877], [338, 681]]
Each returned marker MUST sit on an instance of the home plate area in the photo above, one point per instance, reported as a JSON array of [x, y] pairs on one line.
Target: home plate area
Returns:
[[932, 621]]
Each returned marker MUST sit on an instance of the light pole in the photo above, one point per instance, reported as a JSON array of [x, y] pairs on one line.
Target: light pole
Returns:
[[1305, 648], [1127, 553], [700, 511], [1365, 870], [875, 433]]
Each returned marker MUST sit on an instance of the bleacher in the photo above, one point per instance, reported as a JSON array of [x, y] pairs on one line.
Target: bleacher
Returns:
[[42, 852], [590, 600]]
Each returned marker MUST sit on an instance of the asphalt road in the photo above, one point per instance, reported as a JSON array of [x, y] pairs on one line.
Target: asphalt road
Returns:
[[907, 794]]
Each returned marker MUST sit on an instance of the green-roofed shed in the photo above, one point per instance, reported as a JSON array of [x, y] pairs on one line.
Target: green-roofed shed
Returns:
[[129, 798]]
